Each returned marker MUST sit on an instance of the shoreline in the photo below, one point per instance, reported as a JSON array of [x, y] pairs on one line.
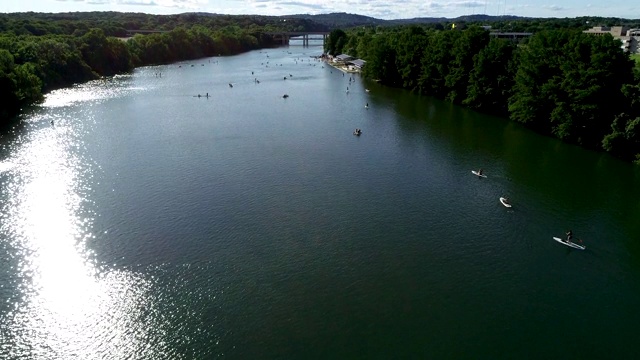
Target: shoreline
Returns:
[[342, 68]]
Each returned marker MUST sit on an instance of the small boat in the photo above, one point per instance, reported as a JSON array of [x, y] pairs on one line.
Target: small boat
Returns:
[[569, 243], [478, 174], [504, 201]]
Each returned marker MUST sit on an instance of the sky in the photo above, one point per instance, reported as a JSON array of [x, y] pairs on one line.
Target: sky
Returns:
[[381, 9]]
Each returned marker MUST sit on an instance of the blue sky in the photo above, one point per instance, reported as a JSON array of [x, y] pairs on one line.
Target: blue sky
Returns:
[[382, 9]]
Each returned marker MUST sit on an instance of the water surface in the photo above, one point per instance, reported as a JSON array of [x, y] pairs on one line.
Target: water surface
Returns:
[[149, 223]]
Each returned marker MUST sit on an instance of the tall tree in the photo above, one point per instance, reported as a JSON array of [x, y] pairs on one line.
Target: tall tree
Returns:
[[467, 44], [381, 64], [335, 41], [491, 79], [411, 44], [536, 94], [435, 62]]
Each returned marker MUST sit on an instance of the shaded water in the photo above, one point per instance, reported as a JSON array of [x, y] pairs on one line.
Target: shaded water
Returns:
[[150, 223]]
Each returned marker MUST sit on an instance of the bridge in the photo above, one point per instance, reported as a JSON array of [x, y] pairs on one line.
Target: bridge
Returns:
[[285, 36]]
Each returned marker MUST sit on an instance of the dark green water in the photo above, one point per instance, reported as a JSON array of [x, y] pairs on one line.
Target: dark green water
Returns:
[[148, 223]]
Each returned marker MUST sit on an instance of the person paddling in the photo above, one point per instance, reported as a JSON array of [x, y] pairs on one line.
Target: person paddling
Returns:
[[569, 235]]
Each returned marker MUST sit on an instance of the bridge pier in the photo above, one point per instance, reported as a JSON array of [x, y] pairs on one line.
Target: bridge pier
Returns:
[[285, 37]]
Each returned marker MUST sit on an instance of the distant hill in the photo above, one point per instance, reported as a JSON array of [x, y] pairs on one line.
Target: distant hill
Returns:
[[345, 20], [465, 18], [341, 20]]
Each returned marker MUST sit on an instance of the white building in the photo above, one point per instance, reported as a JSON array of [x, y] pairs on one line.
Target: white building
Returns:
[[630, 37]]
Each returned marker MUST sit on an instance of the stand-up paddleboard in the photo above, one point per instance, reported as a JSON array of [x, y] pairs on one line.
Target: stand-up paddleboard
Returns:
[[504, 202], [478, 174], [569, 243]]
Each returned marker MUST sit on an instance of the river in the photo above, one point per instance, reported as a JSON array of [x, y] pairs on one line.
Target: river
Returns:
[[141, 221]]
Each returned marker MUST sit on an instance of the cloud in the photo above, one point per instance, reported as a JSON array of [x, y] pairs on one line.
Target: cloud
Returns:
[[302, 4], [137, 2], [554, 7], [470, 4], [182, 4]]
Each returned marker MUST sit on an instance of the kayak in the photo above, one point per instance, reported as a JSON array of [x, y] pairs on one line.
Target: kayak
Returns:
[[504, 202], [569, 243], [478, 174]]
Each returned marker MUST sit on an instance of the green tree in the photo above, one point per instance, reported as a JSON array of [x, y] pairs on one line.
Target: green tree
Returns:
[[492, 77], [569, 84], [595, 70], [28, 84], [536, 93], [335, 42], [10, 103], [467, 44], [435, 64], [381, 63], [624, 138], [411, 44]]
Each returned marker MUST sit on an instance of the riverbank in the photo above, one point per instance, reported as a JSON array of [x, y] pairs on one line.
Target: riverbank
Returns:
[[343, 67], [339, 64]]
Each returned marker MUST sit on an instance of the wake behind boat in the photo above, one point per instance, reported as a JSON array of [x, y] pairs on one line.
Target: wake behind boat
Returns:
[[569, 243]]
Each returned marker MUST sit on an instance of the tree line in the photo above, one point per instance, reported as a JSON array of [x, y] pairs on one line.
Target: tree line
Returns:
[[117, 24], [41, 52], [580, 88]]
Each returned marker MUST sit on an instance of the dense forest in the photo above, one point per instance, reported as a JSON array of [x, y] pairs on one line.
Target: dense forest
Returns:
[[41, 52], [580, 88]]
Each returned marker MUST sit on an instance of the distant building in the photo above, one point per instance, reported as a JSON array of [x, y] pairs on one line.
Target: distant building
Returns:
[[343, 58], [356, 65], [630, 37], [615, 31]]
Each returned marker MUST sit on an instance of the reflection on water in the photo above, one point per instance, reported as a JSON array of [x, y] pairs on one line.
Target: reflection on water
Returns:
[[59, 303], [93, 91]]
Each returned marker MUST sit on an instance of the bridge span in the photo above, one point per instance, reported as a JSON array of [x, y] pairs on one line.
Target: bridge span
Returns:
[[285, 36]]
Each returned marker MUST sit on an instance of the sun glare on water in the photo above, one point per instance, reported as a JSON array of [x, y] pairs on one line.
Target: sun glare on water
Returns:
[[62, 305]]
